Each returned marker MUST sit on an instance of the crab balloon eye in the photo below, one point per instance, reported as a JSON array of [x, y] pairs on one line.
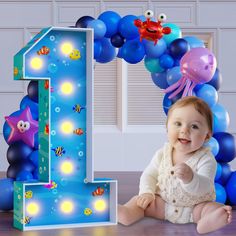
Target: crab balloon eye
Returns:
[[148, 14], [162, 17]]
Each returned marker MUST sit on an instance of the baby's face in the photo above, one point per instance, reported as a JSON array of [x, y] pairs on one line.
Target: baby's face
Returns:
[[187, 129]]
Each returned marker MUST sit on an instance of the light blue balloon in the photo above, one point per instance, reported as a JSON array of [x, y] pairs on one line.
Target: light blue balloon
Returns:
[[194, 42], [220, 118], [175, 33], [153, 65], [213, 145], [218, 172], [208, 93], [173, 75], [153, 50], [99, 28], [220, 193]]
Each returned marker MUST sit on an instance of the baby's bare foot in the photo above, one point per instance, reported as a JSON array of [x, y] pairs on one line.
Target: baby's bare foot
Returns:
[[215, 220]]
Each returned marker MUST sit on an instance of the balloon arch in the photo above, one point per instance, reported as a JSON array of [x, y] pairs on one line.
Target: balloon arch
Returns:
[[179, 66]]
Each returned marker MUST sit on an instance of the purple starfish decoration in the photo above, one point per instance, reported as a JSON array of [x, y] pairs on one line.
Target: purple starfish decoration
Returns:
[[23, 127]]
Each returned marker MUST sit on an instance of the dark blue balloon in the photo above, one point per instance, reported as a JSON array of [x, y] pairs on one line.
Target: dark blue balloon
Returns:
[[14, 169], [227, 147], [117, 40], [216, 80], [133, 51], [178, 48], [26, 101], [17, 152], [97, 48], [159, 79], [231, 188], [32, 90], [6, 194], [24, 175], [167, 103], [111, 20], [83, 21], [34, 157], [225, 173], [220, 193], [166, 61], [36, 173], [108, 52]]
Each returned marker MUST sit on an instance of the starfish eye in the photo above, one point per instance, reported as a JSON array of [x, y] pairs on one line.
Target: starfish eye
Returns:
[[20, 124], [26, 125]]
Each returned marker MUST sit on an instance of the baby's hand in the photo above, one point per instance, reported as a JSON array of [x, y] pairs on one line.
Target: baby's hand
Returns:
[[183, 172], [144, 200]]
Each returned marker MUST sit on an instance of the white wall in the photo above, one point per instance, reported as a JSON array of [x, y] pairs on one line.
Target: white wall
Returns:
[[119, 145]]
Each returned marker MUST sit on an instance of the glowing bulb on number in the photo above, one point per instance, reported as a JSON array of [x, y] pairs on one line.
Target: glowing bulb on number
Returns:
[[100, 205], [67, 127], [32, 208], [67, 207], [67, 88], [36, 63], [66, 48], [67, 167]]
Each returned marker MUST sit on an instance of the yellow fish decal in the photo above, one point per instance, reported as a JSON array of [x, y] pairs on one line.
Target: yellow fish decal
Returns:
[[75, 54], [88, 211], [28, 194], [26, 221]]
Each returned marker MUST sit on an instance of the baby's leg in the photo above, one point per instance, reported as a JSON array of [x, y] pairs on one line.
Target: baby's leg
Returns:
[[130, 212], [156, 209], [211, 216]]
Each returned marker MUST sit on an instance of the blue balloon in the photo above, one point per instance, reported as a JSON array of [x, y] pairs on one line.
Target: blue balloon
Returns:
[[111, 19], [225, 173], [152, 65], [214, 145], [227, 150], [132, 51], [231, 188], [36, 173], [99, 28], [83, 21], [178, 48], [159, 79], [216, 80], [26, 101], [173, 75], [220, 193], [208, 93], [175, 33], [167, 103], [127, 28], [97, 49], [6, 194], [166, 61], [32, 90], [218, 172], [117, 40], [220, 118], [194, 42], [108, 52], [153, 50], [24, 175], [34, 157]]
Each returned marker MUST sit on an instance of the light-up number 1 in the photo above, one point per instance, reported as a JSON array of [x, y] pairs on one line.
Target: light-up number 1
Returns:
[[67, 194]]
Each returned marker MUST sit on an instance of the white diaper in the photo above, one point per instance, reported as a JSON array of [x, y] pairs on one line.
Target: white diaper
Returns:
[[179, 215]]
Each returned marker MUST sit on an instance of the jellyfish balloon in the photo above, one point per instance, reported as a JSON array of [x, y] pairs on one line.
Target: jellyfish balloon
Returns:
[[197, 67]]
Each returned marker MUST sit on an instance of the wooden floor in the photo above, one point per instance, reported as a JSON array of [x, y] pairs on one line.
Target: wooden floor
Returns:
[[127, 187]]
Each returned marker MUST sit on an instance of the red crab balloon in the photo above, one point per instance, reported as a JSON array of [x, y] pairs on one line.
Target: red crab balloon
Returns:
[[152, 30]]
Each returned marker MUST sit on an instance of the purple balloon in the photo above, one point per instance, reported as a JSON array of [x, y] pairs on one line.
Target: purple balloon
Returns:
[[197, 67]]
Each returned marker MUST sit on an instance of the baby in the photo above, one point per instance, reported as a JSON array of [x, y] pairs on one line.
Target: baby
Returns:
[[178, 184]]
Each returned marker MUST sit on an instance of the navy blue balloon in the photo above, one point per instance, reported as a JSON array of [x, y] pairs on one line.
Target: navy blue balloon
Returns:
[[111, 20], [24, 175], [220, 193], [34, 157], [159, 79], [83, 21], [166, 61], [36, 173], [231, 188], [14, 169], [227, 147], [225, 173], [6, 194], [133, 51], [117, 40], [32, 90], [167, 103], [108, 52], [26, 101], [216, 80], [17, 152], [178, 48]]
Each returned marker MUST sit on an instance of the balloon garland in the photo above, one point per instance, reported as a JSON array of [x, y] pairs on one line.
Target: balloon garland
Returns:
[[179, 66]]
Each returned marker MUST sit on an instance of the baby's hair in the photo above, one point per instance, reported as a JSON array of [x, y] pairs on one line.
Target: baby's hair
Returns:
[[200, 106]]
